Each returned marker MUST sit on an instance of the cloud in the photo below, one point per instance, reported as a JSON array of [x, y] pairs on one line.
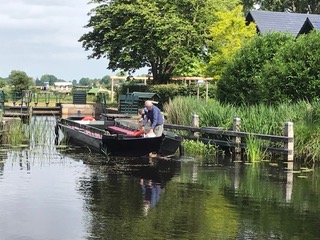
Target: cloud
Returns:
[[41, 37]]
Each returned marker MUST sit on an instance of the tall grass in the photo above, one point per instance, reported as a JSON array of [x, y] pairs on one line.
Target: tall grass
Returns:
[[217, 115], [40, 130], [254, 151], [263, 119], [13, 132], [179, 111], [307, 130]]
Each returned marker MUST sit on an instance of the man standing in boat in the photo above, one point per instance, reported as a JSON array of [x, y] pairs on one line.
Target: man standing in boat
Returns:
[[156, 119]]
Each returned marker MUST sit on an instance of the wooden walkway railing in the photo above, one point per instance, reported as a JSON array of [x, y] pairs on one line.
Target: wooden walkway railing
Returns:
[[234, 137]]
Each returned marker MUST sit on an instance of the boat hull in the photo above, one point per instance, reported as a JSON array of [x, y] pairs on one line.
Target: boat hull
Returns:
[[124, 146], [98, 138], [82, 138]]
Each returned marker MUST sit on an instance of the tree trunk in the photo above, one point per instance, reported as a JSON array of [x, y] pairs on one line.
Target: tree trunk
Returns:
[[160, 76]]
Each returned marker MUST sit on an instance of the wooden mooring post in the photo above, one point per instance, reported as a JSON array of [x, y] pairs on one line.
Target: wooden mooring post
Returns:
[[289, 145], [237, 149], [195, 123]]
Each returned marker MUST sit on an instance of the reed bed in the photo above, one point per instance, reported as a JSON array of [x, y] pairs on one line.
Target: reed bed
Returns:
[[180, 110], [254, 150], [40, 131], [263, 119], [198, 148], [12, 132]]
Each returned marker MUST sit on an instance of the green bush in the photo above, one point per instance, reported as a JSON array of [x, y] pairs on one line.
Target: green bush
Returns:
[[241, 82], [273, 69], [294, 74]]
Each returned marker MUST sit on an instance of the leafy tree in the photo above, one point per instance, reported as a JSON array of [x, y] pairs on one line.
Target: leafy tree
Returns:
[[74, 82], [106, 80], [299, 6], [85, 81], [3, 82], [20, 80], [242, 82], [188, 67], [248, 5], [38, 82], [155, 34], [121, 74], [49, 78], [227, 35]]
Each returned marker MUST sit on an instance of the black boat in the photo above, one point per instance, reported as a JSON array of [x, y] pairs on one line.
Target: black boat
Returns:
[[114, 138]]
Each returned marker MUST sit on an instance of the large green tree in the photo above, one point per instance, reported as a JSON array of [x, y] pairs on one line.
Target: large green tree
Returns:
[[20, 80], [157, 34], [299, 6], [85, 81]]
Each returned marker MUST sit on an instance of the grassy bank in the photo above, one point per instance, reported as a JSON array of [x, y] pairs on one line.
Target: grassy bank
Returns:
[[255, 119]]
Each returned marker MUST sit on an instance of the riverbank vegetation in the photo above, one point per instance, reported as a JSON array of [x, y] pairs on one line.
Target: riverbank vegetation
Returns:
[[260, 118], [199, 148], [38, 131]]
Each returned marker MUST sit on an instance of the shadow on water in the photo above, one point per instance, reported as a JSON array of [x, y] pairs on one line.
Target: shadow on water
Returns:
[[154, 169]]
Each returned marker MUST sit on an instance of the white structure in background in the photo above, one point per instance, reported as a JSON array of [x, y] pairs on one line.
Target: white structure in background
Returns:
[[63, 87]]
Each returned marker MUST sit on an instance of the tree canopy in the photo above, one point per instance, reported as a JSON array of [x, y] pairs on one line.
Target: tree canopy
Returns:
[[51, 79], [227, 35], [155, 34], [299, 6], [20, 80]]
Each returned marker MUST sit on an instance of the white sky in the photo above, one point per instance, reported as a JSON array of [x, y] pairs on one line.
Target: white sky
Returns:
[[41, 37]]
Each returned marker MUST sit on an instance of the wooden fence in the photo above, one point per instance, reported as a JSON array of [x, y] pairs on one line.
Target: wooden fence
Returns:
[[234, 137]]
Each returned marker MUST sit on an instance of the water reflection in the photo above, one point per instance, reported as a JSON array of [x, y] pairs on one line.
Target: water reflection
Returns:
[[37, 199], [276, 175], [67, 192], [151, 194], [120, 192]]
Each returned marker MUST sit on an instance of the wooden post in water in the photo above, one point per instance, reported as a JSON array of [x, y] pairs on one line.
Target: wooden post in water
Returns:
[[288, 132], [237, 150], [195, 123]]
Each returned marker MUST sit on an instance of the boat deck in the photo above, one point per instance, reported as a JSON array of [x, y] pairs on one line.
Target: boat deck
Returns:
[[88, 132], [120, 130]]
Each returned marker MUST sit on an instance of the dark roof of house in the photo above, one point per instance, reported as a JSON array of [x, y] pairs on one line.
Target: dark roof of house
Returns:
[[267, 21], [310, 24]]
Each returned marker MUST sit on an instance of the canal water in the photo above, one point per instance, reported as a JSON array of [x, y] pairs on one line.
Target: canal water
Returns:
[[50, 192]]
